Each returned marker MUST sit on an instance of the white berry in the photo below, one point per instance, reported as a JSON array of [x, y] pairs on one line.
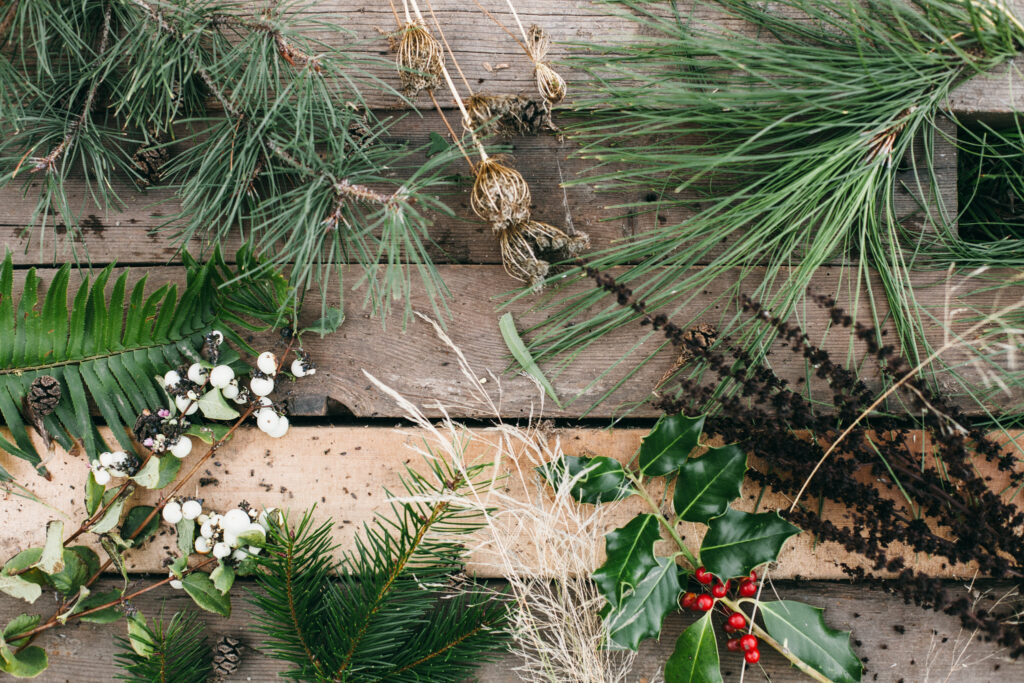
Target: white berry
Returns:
[[266, 419], [254, 549], [203, 545], [280, 429], [191, 509], [297, 368], [221, 376], [197, 373], [231, 390], [267, 363], [102, 477], [181, 447], [221, 550], [235, 521], [171, 378], [106, 459], [206, 530], [172, 512], [176, 584], [185, 405], [261, 386], [239, 555]]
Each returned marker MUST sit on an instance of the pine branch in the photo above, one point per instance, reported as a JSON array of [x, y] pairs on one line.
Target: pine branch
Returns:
[[166, 652], [383, 611]]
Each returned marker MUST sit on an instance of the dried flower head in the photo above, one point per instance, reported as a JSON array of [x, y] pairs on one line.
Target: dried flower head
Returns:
[[420, 59], [508, 115], [521, 244], [500, 195], [549, 82]]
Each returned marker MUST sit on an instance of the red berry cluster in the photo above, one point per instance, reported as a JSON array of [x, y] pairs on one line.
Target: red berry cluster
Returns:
[[747, 644]]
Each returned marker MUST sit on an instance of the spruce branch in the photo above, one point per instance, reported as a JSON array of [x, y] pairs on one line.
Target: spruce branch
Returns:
[[176, 652]]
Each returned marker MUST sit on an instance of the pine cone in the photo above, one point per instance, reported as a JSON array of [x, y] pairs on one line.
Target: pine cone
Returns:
[[44, 395], [149, 161], [227, 655]]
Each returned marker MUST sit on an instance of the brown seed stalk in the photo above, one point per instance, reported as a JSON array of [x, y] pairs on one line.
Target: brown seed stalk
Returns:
[[420, 59], [500, 195], [549, 82]]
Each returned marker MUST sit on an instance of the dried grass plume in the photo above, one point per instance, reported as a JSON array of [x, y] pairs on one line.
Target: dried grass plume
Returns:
[[420, 59]]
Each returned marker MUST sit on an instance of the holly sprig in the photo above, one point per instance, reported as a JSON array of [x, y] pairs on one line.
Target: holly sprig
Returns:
[[642, 587]]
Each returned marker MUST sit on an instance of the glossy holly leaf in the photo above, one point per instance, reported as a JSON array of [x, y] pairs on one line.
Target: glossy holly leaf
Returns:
[[132, 529], [738, 541], [158, 472], [801, 628], [706, 485], [695, 659], [591, 480], [667, 447], [202, 591], [642, 611], [630, 557]]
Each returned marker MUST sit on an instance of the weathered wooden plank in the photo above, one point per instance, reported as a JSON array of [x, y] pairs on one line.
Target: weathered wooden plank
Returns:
[[421, 367], [930, 647], [138, 231], [344, 471]]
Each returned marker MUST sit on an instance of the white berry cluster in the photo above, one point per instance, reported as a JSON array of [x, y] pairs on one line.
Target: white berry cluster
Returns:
[[116, 464], [269, 419], [229, 537]]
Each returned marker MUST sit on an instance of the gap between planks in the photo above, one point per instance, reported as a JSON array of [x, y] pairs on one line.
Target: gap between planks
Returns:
[[344, 471]]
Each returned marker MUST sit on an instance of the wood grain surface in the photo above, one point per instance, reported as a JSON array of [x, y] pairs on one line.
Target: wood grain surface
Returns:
[[344, 471]]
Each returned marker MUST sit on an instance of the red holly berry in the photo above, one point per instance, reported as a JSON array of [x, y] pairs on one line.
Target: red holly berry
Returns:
[[719, 590], [733, 645], [703, 576], [753, 575], [688, 601], [752, 656], [748, 588], [705, 602], [736, 621], [748, 642]]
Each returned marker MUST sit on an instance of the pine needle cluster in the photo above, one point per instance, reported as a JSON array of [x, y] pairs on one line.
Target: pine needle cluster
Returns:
[[776, 133], [396, 608], [175, 651], [259, 128]]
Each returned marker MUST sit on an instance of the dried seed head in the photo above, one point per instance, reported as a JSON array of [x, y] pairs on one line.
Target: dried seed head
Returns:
[[549, 82], [508, 115], [420, 59], [500, 195], [521, 244]]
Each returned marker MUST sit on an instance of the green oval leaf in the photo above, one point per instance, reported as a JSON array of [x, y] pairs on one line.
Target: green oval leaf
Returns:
[[801, 628], [706, 485], [17, 587], [132, 529], [208, 433], [213, 406], [51, 561], [112, 516], [93, 494], [28, 663], [695, 659], [642, 611], [22, 623], [223, 578], [104, 616], [738, 541], [139, 635], [667, 447], [630, 556], [202, 591], [158, 472], [590, 480]]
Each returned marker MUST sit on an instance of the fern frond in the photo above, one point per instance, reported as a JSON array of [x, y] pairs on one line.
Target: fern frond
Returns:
[[177, 652], [384, 611], [108, 346]]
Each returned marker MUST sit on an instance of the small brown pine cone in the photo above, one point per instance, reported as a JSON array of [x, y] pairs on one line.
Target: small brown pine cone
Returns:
[[44, 395], [148, 162], [227, 655]]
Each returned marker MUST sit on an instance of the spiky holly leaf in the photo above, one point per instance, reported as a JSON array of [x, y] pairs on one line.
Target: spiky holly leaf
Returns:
[[695, 659], [667, 447], [630, 557], [642, 611], [801, 628], [591, 480], [706, 485], [738, 541]]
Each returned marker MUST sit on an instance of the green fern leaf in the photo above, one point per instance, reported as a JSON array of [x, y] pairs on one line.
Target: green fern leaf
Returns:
[[111, 344]]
